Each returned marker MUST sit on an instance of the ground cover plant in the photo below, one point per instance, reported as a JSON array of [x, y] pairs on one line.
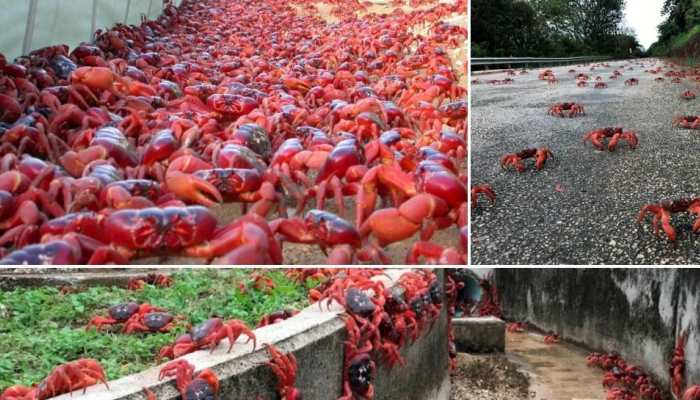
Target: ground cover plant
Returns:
[[43, 327]]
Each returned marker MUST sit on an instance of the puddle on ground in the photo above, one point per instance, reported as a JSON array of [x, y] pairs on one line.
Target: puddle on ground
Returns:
[[557, 372]]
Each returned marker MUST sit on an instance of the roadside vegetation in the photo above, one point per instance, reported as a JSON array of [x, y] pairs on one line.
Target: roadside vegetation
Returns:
[[679, 34], [41, 328], [551, 28]]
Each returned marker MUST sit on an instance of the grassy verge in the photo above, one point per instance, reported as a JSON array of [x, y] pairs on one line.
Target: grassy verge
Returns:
[[40, 328]]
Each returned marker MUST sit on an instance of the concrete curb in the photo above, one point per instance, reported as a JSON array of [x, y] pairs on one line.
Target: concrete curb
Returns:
[[480, 334], [316, 337], [73, 278]]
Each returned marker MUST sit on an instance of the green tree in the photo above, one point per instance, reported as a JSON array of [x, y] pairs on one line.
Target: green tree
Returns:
[[550, 28]]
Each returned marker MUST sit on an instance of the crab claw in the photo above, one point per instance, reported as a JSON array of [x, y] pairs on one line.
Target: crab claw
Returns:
[[659, 215], [192, 188], [96, 78], [484, 189], [514, 160], [541, 157], [163, 145]]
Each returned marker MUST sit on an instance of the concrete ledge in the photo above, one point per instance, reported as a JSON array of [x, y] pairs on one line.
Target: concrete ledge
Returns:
[[73, 277], [316, 337], [479, 334]]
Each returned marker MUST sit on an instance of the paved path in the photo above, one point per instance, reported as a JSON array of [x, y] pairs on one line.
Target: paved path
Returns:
[[582, 208], [556, 371]]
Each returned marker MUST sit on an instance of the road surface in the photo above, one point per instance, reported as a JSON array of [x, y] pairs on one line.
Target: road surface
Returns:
[[582, 208]]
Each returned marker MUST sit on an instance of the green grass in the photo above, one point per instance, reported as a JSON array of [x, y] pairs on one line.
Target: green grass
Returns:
[[39, 328], [683, 39]]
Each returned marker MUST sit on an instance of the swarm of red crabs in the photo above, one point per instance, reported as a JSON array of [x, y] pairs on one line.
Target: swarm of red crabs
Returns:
[[227, 102], [622, 380], [380, 321]]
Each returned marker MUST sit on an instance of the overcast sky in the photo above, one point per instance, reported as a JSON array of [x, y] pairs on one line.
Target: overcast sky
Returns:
[[643, 16]]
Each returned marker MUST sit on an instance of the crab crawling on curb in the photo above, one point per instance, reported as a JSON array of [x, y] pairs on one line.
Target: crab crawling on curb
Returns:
[[204, 385], [566, 110], [662, 213], [614, 134], [516, 159]]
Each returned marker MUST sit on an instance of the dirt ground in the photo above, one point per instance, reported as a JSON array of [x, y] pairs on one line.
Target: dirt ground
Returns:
[[488, 377], [529, 369]]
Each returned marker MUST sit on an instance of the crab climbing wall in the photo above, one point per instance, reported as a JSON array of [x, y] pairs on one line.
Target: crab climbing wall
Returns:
[[65, 21], [637, 312]]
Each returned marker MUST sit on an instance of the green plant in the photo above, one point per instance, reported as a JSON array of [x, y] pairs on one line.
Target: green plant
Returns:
[[40, 328]]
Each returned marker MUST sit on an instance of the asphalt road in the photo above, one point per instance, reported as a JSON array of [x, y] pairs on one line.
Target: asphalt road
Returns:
[[582, 207]]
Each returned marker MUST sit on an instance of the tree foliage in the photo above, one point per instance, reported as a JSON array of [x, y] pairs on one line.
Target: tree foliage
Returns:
[[678, 34], [550, 28]]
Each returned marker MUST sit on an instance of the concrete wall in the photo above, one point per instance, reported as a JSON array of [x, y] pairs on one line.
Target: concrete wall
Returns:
[[638, 312], [316, 337]]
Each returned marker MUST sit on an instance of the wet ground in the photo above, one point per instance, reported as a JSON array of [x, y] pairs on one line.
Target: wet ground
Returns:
[[582, 208], [530, 369]]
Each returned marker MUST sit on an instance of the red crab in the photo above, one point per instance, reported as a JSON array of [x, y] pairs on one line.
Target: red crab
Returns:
[[152, 321], [632, 82], [358, 368], [484, 189], [276, 317], [517, 327], [552, 338], [325, 229], [121, 313], [687, 122], [204, 385], [284, 366], [546, 75], [515, 159], [208, 334], [158, 280], [662, 214], [259, 282], [688, 95], [438, 254], [692, 393], [614, 134], [600, 85], [677, 369], [65, 378], [566, 110]]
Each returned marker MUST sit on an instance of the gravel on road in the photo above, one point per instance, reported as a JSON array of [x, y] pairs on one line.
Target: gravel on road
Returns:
[[582, 207]]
